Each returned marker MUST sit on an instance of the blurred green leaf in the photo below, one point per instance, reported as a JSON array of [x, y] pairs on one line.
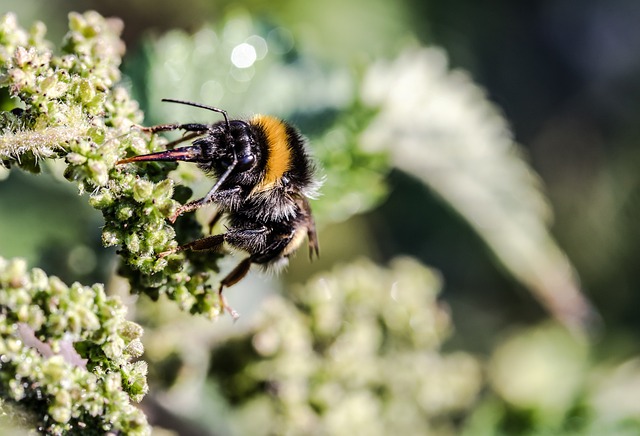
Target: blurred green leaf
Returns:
[[440, 127]]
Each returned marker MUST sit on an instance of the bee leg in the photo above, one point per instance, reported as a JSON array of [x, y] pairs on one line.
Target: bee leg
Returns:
[[188, 207], [312, 236], [196, 204], [241, 270], [184, 138], [314, 247], [209, 243], [237, 274], [210, 195], [214, 243], [191, 127]]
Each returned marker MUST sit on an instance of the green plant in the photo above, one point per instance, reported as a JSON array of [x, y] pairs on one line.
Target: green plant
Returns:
[[67, 355], [412, 113]]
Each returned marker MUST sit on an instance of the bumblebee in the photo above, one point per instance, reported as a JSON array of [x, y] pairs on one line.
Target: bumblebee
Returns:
[[264, 179]]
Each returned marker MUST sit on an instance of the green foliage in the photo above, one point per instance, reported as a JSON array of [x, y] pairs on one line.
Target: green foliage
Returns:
[[438, 126], [354, 351], [73, 108], [67, 354]]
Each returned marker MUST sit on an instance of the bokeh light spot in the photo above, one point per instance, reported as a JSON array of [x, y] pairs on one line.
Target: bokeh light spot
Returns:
[[243, 55]]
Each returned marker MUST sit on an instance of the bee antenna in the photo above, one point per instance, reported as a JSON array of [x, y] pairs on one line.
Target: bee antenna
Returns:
[[202, 106]]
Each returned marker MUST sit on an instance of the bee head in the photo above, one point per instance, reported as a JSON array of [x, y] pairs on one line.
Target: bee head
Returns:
[[225, 146], [256, 154]]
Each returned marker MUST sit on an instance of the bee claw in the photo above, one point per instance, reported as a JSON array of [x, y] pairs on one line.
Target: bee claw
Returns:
[[225, 307], [235, 315], [176, 214], [140, 127], [167, 253]]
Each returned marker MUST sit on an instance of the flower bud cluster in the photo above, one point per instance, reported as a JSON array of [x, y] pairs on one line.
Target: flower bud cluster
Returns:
[[66, 353]]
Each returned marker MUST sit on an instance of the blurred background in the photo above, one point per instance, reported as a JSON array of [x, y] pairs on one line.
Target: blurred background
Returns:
[[558, 77]]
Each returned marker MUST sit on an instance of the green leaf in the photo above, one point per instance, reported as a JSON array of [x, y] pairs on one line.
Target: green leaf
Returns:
[[440, 127]]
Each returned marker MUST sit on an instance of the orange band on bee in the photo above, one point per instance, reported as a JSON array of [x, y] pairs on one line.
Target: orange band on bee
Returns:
[[279, 159]]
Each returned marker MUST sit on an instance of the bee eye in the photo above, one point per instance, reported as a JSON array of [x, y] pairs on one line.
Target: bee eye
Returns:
[[245, 162]]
